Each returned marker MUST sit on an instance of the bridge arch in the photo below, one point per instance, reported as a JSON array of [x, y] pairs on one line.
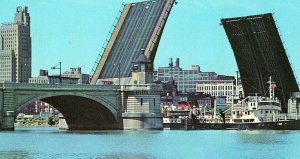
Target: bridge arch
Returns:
[[80, 110]]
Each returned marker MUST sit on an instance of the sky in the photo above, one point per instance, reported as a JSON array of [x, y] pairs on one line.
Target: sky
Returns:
[[73, 31]]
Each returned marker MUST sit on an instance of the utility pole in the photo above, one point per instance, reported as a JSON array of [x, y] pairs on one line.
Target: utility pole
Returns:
[[56, 67]]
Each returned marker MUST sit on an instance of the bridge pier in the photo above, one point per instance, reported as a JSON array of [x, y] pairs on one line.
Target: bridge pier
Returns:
[[142, 107], [8, 121], [142, 121], [142, 99], [7, 112]]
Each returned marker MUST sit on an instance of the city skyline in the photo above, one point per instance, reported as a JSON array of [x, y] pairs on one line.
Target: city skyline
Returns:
[[75, 31]]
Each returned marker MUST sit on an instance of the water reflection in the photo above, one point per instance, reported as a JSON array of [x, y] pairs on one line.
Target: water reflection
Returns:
[[36, 130], [127, 156], [26, 155], [109, 131], [56, 130], [262, 137], [14, 154]]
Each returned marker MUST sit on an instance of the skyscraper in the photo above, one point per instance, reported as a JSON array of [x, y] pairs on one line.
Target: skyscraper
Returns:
[[15, 48]]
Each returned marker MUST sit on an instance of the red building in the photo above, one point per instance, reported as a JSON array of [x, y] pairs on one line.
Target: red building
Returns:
[[39, 107]]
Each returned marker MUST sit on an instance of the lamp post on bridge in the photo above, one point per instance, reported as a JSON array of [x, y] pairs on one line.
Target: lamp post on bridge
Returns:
[[56, 67]]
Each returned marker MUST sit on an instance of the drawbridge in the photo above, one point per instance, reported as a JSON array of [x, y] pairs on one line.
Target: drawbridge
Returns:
[[139, 27]]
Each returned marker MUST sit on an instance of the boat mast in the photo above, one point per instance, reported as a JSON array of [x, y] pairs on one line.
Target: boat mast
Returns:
[[271, 88]]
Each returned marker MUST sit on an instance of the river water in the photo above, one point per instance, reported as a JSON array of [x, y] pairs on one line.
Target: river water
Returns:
[[40, 143]]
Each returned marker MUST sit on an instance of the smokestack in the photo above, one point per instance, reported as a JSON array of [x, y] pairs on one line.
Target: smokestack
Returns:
[[177, 62], [170, 62]]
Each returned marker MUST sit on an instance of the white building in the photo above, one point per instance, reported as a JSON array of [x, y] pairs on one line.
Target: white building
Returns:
[[76, 73], [224, 86], [294, 105], [186, 80], [15, 48]]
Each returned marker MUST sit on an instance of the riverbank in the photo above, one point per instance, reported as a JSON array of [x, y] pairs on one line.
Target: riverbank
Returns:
[[35, 123]]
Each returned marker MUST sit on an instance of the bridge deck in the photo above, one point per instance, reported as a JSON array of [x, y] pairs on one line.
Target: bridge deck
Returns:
[[139, 27], [260, 53], [33, 86]]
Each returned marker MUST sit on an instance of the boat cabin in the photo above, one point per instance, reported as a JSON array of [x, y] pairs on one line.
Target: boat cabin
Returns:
[[257, 108]]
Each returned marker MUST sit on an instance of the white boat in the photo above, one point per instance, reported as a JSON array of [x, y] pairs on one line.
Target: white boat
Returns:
[[257, 109]]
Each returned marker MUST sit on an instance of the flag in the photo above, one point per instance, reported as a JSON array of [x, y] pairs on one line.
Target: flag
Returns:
[[273, 86]]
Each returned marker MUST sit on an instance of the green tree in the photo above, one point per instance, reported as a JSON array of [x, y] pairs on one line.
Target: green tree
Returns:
[[51, 121]]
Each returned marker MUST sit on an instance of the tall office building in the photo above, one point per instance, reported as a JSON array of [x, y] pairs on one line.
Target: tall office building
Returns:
[[185, 80], [15, 48]]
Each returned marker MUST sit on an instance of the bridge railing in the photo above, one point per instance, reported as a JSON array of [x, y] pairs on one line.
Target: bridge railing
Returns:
[[152, 87], [33, 86], [36, 86]]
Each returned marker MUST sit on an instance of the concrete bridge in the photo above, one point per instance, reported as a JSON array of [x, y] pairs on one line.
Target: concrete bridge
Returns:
[[102, 106], [84, 107]]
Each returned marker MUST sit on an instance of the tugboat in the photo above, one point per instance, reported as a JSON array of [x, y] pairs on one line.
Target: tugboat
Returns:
[[257, 109], [253, 112]]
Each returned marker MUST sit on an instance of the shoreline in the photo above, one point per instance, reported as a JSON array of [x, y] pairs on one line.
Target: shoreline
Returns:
[[34, 124]]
